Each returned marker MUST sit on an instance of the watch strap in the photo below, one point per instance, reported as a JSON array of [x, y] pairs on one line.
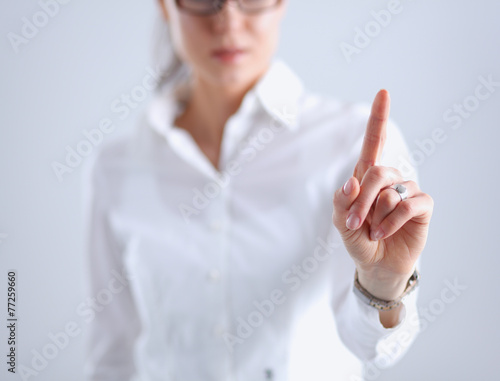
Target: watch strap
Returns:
[[385, 305]]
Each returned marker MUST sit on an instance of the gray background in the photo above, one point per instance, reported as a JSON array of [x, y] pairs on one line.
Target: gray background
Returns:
[[429, 57]]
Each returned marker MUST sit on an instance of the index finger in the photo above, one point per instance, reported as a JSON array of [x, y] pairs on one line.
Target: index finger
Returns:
[[375, 134]]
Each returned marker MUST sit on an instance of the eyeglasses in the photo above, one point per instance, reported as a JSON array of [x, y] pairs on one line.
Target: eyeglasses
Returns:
[[210, 7]]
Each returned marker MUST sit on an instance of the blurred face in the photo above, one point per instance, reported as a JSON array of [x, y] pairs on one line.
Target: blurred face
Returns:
[[229, 48]]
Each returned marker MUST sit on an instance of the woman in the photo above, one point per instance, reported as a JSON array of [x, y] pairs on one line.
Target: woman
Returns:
[[210, 228]]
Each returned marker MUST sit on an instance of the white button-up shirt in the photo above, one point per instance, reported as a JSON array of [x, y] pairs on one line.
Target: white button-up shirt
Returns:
[[199, 274]]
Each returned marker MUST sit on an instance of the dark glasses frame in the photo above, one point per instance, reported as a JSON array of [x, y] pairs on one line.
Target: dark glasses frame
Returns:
[[219, 4]]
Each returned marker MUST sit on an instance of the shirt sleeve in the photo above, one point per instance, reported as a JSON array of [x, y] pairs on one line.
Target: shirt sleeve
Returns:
[[358, 324], [112, 324]]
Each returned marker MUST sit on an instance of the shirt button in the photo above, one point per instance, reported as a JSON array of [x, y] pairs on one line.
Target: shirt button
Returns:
[[214, 275]]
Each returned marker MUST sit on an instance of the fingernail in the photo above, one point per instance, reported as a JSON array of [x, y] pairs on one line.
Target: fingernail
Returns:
[[348, 187], [376, 235], [352, 221]]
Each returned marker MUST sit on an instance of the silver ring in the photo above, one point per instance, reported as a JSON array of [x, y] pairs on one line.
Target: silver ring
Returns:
[[402, 191]]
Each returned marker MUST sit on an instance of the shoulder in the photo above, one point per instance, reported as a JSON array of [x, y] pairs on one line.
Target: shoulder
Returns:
[[120, 153], [339, 116], [333, 118], [339, 126]]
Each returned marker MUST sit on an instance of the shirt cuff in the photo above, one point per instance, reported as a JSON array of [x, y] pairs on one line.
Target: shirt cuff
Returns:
[[371, 317], [370, 340]]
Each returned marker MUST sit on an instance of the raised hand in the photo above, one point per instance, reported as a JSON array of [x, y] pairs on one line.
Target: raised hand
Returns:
[[383, 234]]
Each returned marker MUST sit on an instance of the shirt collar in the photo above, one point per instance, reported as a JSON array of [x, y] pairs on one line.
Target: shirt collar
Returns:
[[278, 92]]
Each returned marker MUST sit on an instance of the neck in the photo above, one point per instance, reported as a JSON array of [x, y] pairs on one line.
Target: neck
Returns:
[[209, 107]]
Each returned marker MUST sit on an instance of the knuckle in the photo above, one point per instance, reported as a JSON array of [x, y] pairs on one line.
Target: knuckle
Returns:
[[334, 216], [410, 184], [380, 171], [397, 172], [362, 204], [377, 173], [391, 224], [407, 207], [430, 200], [336, 197], [385, 200]]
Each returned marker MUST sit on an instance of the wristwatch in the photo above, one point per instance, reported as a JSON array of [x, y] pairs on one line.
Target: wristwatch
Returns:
[[385, 305]]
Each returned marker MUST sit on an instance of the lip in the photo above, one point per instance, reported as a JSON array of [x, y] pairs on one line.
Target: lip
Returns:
[[230, 54]]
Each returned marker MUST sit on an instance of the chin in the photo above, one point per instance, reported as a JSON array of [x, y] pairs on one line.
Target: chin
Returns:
[[236, 74]]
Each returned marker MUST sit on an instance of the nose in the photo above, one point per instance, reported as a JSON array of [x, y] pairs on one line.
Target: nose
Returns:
[[229, 17]]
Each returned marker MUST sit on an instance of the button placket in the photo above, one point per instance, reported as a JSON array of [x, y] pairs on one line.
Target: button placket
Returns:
[[216, 226]]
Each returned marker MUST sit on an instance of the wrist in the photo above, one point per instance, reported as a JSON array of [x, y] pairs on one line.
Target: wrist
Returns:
[[383, 285]]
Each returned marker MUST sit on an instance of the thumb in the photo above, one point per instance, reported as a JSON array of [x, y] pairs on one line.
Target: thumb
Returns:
[[342, 201]]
